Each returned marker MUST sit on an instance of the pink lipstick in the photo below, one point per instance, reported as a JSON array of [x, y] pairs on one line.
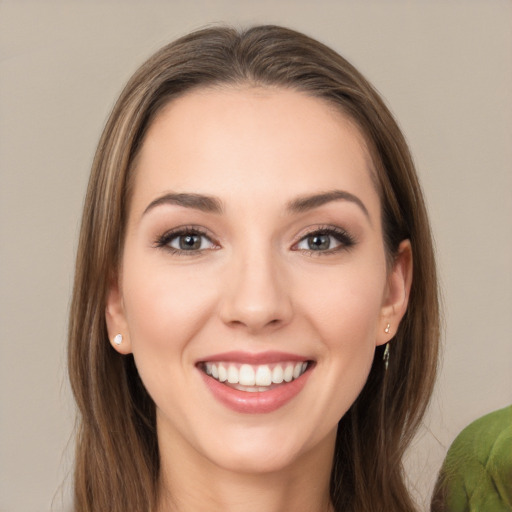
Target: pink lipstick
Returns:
[[255, 383]]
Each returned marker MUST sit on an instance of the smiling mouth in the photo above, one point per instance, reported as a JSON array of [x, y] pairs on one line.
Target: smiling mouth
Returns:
[[254, 378]]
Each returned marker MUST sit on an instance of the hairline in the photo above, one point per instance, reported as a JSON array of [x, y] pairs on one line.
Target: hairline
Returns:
[[370, 154]]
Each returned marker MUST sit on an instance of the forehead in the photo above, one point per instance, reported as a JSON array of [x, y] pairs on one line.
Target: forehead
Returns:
[[254, 142]]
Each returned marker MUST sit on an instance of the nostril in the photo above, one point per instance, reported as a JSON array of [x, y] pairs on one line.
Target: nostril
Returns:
[[254, 323], [255, 304]]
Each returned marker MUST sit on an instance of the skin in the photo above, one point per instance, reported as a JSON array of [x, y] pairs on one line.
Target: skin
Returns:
[[254, 285]]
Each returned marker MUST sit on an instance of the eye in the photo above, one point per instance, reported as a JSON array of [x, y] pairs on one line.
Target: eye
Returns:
[[189, 242], [186, 240], [325, 240], [318, 242]]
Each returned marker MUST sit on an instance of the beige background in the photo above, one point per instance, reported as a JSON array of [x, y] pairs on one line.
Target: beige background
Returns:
[[444, 67]]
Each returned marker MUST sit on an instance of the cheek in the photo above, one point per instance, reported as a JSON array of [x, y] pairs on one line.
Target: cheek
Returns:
[[344, 313], [345, 305], [164, 310]]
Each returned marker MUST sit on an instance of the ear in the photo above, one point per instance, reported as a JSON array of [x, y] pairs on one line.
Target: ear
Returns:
[[396, 296], [116, 319]]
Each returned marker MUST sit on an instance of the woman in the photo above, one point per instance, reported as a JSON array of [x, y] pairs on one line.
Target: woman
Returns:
[[248, 329]]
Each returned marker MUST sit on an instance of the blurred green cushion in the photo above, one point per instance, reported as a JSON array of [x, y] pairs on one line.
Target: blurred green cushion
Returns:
[[477, 473]]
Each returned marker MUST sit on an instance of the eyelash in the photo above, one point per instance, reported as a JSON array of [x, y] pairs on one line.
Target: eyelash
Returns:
[[346, 241], [163, 241]]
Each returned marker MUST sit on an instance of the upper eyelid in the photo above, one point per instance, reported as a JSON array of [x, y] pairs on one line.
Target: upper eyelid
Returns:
[[167, 236], [305, 232], [322, 228], [331, 230], [179, 230]]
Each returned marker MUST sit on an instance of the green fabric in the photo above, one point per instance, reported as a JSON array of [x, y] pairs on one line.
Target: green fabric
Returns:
[[477, 472]]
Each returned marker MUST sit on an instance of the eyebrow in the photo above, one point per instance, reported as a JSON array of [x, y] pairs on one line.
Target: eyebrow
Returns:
[[305, 203], [210, 204], [196, 201]]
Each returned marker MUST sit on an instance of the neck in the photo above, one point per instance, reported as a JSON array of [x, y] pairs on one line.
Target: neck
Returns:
[[188, 483]]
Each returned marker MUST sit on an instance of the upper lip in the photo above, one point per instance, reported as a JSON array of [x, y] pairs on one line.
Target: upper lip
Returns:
[[254, 358]]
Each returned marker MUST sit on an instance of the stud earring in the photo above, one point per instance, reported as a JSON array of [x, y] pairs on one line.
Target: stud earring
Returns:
[[385, 356], [386, 330], [118, 339]]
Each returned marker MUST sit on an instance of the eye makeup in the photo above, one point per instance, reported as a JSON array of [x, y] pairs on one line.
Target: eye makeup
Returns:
[[324, 240], [193, 240], [186, 240]]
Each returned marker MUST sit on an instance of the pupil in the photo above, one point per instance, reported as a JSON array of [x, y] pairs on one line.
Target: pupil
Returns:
[[317, 242], [188, 242]]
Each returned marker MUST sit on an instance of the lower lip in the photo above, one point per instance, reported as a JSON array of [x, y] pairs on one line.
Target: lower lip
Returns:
[[255, 402]]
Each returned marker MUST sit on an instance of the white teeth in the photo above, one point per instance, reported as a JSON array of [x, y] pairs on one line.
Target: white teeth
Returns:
[[246, 375], [263, 376], [288, 373], [232, 374], [257, 377], [277, 375], [223, 373], [251, 389]]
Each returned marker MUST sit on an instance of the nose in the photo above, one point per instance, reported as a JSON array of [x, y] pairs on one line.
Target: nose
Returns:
[[257, 294]]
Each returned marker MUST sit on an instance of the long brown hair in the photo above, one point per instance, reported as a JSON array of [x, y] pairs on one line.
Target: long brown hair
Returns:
[[117, 459]]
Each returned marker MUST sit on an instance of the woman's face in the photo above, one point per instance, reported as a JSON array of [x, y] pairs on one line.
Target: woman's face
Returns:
[[253, 287]]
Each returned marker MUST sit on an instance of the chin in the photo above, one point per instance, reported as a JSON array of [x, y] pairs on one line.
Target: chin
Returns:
[[253, 461], [267, 450]]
